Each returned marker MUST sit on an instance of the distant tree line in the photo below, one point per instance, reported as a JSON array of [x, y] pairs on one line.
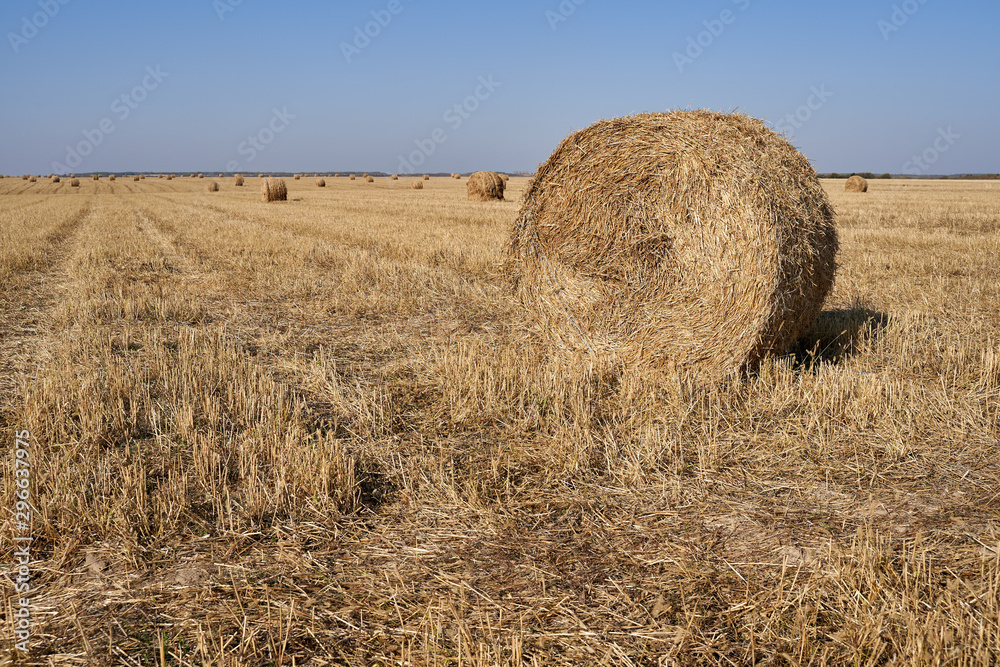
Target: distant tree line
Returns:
[[871, 176]]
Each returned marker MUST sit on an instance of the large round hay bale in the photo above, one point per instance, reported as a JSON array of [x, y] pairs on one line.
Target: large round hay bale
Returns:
[[485, 186], [351, 177], [369, 179], [55, 179], [321, 182], [111, 178], [394, 177], [856, 184], [417, 185], [213, 186], [688, 240], [74, 183], [273, 189], [238, 180], [427, 177]]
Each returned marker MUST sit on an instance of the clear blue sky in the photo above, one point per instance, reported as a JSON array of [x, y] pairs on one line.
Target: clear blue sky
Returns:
[[885, 84]]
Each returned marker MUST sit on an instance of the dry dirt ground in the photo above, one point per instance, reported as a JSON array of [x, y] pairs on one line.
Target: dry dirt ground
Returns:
[[314, 432]]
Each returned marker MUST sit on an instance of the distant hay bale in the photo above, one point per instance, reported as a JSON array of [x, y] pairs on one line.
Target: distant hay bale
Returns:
[[170, 177], [351, 177], [856, 184], [321, 183], [457, 177], [222, 176], [55, 179], [427, 177], [691, 241], [485, 186], [297, 177], [260, 175], [74, 183], [417, 185], [370, 179], [24, 178], [273, 189], [394, 177], [142, 177], [97, 177], [238, 180], [213, 186], [201, 175], [33, 180], [135, 178], [111, 178]]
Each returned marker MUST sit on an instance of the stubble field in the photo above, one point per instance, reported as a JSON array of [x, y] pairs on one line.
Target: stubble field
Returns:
[[315, 432]]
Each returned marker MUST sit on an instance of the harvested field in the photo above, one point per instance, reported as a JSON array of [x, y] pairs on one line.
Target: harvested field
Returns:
[[313, 431]]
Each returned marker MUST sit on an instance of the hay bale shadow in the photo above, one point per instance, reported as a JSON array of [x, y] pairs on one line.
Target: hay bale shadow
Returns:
[[838, 334]]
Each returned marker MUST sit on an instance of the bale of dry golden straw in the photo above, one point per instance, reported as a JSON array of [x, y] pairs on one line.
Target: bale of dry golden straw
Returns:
[[170, 177], [55, 179], [691, 241], [394, 177], [273, 189], [370, 179], [74, 183], [485, 186], [856, 184], [297, 176], [33, 179], [427, 177], [351, 177], [238, 180], [135, 178], [321, 183], [110, 178], [417, 185], [213, 186]]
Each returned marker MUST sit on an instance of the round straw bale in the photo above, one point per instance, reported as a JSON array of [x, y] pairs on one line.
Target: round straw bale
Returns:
[[238, 180], [692, 241], [213, 186], [485, 186], [135, 178], [321, 182], [74, 183], [297, 177], [273, 189], [856, 184], [170, 177], [55, 179], [427, 177], [351, 177], [417, 185], [369, 179], [33, 179], [111, 178], [394, 177]]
